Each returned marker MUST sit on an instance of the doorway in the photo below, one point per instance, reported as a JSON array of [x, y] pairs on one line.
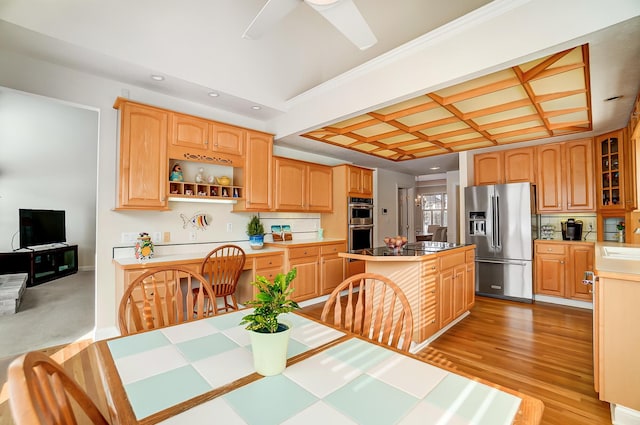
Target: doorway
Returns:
[[405, 213]]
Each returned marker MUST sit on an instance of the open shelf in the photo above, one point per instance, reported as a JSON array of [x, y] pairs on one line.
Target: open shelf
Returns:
[[204, 191]]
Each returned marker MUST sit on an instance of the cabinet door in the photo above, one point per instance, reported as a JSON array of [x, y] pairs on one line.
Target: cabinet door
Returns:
[[445, 289], [470, 285], [355, 180], [549, 177], [550, 274], [227, 139], [306, 282], [290, 184], [487, 168], [429, 300], [459, 289], [320, 183], [579, 175], [519, 165], [367, 182], [610, 171], [581, 257], [143, 157], [258, 172], [331, 273], [189, 132]]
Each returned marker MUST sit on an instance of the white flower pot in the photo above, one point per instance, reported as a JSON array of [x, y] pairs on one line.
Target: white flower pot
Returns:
[[270, 351]]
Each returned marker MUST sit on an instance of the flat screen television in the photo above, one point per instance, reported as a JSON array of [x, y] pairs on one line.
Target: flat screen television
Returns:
[[41, 227]]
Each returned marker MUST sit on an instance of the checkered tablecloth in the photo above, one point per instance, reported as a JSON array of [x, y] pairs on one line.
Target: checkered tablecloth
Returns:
[[165, 367]]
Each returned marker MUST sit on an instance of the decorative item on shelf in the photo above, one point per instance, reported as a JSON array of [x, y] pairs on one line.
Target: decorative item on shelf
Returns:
[[396, 243], [223, 181], [200, 175], [211, 179], [620, 227], [225, 192], [214, 191], [255, 231], [144, 247], [235, 192], [188, 192], [269, 337], [281, 232], [176, 173], [198, 220]]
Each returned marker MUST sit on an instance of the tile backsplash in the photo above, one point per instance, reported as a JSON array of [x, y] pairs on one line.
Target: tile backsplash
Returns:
[[555, 220]]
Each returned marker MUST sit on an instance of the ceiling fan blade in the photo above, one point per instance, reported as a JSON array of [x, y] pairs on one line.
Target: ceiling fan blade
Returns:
[[345, 16], [269, 15]]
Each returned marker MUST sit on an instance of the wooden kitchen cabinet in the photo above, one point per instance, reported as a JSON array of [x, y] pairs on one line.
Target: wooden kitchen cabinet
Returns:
[[560, 267], [470, 280], [143, 162], [256, 176], [610, 163], [332, 267], [302, 186], [452, 289], [565, 177], [305, 260], [509, 166], [429, 299], [360, 183]]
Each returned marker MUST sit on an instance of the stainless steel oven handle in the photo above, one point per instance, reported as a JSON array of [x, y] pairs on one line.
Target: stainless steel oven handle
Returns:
[[361, 226]]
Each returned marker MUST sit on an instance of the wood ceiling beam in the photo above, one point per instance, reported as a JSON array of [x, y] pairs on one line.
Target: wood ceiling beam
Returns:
[[559, 95], [556, 71], [478, 91], [353, 127], [455, 111], [507, 134], [567, 125], [426, 138], [533, 72], [532, 96], [558, 112], [495, 109], [429, 104], [510, 121]]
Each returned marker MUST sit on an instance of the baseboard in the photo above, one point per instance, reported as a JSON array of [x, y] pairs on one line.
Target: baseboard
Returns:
[[86, 268], [563, 301], [417, 347], [621, 415]]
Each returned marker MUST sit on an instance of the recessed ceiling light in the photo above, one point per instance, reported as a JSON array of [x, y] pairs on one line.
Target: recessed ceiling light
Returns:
[[213, 94], [609, 99], [256, 107], [157, 77], [434, 168]]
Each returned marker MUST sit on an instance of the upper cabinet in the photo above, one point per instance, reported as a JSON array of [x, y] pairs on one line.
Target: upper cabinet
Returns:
[[565, 177], [197, 139], [510, 166], [302, 186], [257, 174], [360, 182], [615, 164], [143, 162]]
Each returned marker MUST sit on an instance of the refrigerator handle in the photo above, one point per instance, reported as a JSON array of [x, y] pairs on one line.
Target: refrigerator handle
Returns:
[[496, 212], [493, 222]]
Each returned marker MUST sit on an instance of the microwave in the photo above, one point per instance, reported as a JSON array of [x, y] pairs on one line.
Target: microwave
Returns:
[[360, 211]]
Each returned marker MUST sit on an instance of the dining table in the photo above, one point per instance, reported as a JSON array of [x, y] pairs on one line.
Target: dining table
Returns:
[[202, 371]]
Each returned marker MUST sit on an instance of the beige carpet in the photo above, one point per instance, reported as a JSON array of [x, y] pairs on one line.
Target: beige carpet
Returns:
[[53, 313]]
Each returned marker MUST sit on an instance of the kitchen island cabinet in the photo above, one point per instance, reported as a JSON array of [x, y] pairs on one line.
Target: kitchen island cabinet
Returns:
[[436, 282]]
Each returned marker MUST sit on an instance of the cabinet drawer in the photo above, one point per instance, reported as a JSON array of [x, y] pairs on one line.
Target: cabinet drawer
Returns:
[[551, 248], [333, 248], [269, 262], [306, 251], [451, 260], [270, 274]]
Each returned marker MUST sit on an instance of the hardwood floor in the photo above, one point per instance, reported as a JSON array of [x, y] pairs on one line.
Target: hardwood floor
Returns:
[[543, 350]]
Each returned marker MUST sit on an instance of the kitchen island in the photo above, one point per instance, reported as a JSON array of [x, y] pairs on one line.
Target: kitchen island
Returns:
[[438, 278]]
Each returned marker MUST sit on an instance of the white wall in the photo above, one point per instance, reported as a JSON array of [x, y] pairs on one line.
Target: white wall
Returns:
[[48, 156], [386, 184], [453, 201]]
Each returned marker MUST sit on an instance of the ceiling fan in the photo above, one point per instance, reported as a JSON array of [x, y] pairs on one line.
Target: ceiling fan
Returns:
[[342, 14]]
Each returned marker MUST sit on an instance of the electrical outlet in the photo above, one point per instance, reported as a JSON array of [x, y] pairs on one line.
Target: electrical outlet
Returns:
[[229, 227], [128, 237], [166, 237], [192, 235]]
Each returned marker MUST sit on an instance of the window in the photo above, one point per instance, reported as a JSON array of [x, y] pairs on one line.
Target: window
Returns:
[[434, 210]]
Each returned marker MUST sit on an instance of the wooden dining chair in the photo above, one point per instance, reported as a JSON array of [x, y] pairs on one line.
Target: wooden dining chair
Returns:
[[164, 296], [222, 268], [372, 306], [41, 392]]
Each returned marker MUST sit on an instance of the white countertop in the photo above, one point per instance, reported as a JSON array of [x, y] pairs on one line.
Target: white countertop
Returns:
[[608, 264]]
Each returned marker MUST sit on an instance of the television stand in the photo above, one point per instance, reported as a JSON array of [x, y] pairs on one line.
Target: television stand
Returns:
[[42, 264]]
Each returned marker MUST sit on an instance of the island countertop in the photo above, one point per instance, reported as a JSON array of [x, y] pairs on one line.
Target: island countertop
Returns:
[[410, 252]]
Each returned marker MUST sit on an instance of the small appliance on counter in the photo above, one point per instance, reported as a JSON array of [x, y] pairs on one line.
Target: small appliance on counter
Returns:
[[546, 231], [571, 230]]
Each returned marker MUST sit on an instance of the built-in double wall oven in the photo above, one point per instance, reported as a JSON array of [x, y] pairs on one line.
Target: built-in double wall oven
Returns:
[[360, 223]]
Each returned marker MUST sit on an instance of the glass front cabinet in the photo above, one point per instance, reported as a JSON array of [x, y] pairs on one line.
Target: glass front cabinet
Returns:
[[610, 187]]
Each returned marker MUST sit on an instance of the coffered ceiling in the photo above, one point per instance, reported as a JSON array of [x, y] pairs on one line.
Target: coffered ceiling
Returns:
[[542, 98]]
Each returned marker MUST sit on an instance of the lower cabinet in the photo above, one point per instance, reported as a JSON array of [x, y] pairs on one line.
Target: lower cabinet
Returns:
[[452, 286], [332, 267], [305, 260], [429, 314], [560, 267]]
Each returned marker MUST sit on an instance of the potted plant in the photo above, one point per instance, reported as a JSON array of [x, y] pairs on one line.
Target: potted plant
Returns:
[[269, 337], [255, 230]]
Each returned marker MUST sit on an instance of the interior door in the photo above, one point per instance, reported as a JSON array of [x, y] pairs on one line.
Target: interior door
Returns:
[[403, 212]]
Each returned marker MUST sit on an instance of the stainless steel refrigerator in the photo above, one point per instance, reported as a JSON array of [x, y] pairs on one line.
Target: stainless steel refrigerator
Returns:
[[502, 223]]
